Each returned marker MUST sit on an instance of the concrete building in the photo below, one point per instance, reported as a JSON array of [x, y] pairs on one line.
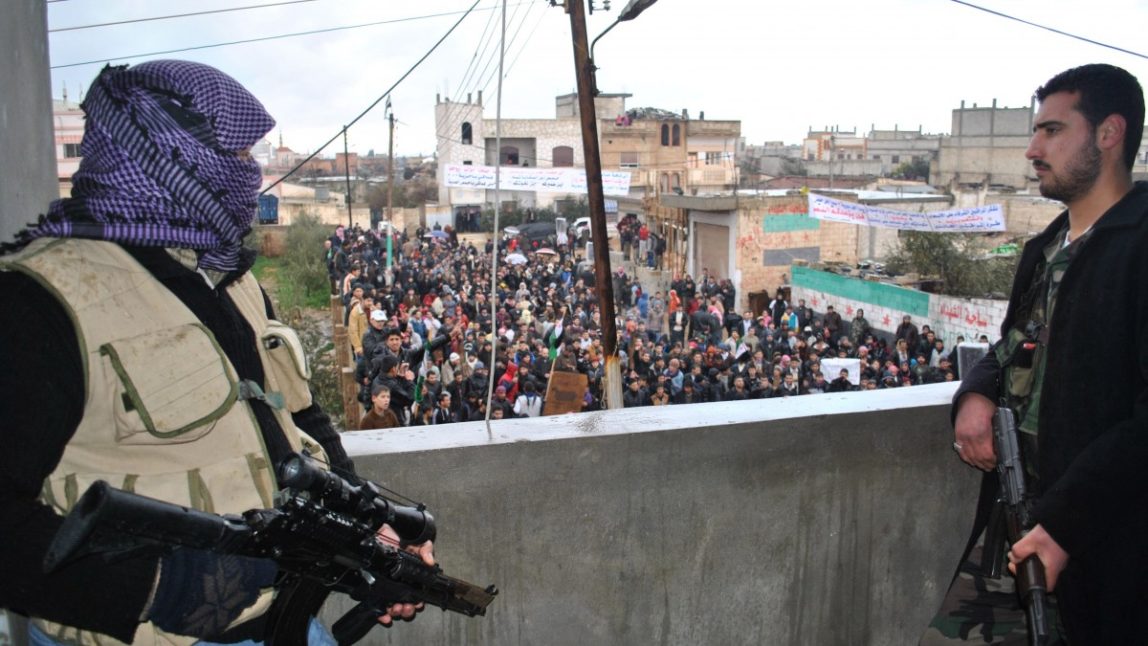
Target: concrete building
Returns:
[[835, 152], [754, 239], [986, 148], [664, 152], [773, 158], [895, 147], [711, 155], [68, 124]]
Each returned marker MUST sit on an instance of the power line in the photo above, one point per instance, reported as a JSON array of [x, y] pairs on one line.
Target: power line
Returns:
[[264, 38], [376, 101], [179, 15], [472, 69], [1055, 31], [479, 52], [525, 43], [449, 120]]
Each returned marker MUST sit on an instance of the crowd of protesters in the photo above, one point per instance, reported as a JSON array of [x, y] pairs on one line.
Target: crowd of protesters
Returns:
[[420, 331]]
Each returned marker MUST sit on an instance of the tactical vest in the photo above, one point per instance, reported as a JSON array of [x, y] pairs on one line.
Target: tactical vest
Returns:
[[165, 414]]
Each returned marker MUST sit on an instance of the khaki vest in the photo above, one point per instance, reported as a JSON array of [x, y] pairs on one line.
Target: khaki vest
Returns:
[[165, 414]]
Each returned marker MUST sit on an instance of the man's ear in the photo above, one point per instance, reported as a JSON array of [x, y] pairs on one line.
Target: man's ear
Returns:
[[1110, 133]]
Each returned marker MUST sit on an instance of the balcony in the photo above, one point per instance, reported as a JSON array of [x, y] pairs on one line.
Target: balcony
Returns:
[[825, 519]]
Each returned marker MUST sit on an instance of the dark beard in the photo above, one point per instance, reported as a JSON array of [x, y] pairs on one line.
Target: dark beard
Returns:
[[1079, 175]]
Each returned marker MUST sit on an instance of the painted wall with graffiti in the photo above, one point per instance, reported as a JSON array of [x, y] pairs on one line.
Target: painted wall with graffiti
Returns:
[[774, 232], [885, 305]]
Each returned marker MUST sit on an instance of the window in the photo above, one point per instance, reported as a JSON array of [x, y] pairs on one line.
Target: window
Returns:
[[562, 156], [677, 135], [508, 156], [467, 162], [467, 135], [714, 158], [71, 150], [665, 183], [896, 159], [665, 134], [676, 182], [629, 160]]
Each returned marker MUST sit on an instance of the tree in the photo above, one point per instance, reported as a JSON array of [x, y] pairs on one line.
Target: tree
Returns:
[[916, 169], [961, 261], [793, 167]]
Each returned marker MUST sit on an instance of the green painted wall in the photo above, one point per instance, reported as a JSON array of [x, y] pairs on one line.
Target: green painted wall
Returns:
[[787, 222], [890, 296]]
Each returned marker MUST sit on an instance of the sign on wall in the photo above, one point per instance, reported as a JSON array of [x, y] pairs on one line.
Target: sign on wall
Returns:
[[515, 178], [981, 218]]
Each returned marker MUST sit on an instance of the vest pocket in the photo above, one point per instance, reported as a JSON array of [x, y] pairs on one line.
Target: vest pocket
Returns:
[[285, 365], [171, 384]]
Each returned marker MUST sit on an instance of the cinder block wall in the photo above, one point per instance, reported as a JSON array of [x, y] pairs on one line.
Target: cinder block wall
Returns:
[[827, 519]]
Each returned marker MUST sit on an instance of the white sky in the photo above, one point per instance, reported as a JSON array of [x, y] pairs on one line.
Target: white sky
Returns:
[[779, 67]]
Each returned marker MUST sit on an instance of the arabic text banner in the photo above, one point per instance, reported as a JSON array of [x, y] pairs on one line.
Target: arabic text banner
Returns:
[[551, 180], [981, 218]]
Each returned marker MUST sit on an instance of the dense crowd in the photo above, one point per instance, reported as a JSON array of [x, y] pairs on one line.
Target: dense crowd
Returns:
[[420, 331]]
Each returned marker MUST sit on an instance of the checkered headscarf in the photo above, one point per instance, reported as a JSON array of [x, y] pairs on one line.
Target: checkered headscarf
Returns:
[[161, 162]]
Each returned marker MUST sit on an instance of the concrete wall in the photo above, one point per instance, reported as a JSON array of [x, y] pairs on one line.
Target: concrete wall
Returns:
[[827, 519], [885, 305], [27, 160]]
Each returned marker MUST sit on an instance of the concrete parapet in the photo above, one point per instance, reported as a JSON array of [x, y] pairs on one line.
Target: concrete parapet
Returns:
[[826, 519]]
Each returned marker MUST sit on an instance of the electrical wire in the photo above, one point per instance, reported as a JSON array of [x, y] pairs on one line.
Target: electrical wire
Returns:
[[179, 15], [1055, 31], [376, 101], [262, 39], [484, 42], [525, 43], [453, 109]]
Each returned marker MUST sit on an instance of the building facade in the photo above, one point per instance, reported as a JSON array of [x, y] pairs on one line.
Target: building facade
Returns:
[[986, 148], [664, 152]]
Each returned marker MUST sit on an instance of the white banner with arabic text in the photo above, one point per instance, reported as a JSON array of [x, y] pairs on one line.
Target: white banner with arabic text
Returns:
[[980, 218], [551, 180]]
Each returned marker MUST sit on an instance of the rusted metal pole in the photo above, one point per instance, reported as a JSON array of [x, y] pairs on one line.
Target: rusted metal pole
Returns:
[[604, 286]]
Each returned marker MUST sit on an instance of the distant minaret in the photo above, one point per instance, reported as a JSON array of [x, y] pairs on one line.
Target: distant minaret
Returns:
[[65, 94], [280, 137]]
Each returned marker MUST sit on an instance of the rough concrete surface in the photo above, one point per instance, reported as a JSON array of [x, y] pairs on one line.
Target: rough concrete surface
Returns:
[[831, 519]]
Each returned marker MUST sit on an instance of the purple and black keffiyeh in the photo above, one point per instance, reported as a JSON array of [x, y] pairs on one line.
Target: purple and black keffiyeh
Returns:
[[165, 162]]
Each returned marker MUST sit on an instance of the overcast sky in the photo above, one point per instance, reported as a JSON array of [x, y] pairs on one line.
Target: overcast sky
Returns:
[[779, 67]]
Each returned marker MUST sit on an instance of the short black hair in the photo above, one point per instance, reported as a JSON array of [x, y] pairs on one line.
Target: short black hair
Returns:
[[1104, 90]]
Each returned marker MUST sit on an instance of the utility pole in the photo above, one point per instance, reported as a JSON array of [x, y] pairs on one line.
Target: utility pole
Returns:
[[390, 191], [347, 176], [604, 286]]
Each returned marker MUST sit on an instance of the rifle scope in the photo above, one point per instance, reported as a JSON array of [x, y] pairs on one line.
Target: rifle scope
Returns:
[[365, 502]]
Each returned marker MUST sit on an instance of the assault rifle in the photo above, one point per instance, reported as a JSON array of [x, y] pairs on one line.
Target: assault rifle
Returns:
[[322, 536], [1030, 581]]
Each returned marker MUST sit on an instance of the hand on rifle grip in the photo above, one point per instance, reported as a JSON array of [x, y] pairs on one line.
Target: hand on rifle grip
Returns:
[[1039, 542], [425, 551]]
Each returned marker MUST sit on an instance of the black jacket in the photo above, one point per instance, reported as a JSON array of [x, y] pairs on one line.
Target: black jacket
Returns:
[[1093, 435]]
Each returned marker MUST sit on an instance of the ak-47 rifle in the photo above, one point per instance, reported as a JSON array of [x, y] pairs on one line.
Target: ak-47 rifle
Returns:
[[1030, 581], [323, 532]]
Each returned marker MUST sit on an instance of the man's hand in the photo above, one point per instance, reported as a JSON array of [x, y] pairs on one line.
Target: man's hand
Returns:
[[974, 431], [405, 611], [1039, 542]]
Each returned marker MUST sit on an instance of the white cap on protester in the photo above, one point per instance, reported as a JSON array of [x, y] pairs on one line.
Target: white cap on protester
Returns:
[[378, 315]]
